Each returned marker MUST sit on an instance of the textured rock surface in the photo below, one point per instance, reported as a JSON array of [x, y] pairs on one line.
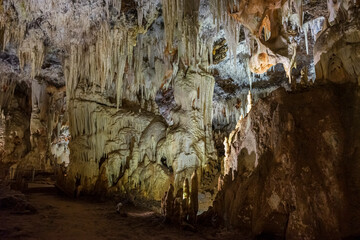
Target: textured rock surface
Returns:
[[121, 137], [32, 115], [293, 166]]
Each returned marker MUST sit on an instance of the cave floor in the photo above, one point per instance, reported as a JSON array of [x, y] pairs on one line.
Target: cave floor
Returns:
[[59, 217]]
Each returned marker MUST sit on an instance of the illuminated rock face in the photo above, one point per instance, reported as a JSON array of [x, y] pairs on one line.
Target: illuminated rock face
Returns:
[[118, 60], [266, 23], [135, 149], [292, 166]]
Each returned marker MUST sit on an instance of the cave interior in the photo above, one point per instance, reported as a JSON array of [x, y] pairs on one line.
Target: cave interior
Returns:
[[174, 119]]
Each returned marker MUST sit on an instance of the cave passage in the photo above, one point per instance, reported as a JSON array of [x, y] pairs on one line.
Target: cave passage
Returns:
[[60, 217]]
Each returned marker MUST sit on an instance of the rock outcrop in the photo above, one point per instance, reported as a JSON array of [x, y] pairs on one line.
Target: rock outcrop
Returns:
[[293, 165], [182, 208], [336, 52]]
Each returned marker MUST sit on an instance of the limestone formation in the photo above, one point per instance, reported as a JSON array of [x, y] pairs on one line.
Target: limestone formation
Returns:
[[178, 213], [194, 205], [279, 175], [185, 206], [334, 51], [168, 204]]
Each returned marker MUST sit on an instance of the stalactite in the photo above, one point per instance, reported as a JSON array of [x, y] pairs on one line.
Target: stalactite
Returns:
[[314, 26], [100, 64], [248, 72], [232, 33], [182, 28], [227, 156], [249, 100], [306, 29], [32, 52], [7, 88]]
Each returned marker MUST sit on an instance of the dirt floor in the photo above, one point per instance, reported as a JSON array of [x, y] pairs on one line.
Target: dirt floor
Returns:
[[59, 217]]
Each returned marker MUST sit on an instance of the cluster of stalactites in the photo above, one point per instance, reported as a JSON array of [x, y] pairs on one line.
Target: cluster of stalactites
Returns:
[[97, 129], [222, 8], [181, 20], [203, 102], [27, 25], [13, 31], [114, 3], [229, 13], [314, 26], [99, 66], [296, 20], [230, 111], [32, 52], [221, 11], [116, 61], [144, 10], [10, 33]]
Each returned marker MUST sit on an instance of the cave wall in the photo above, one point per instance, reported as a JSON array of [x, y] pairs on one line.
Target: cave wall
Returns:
[[133, 148], [15, 125], [337, 52], [31, 111], [292, 164]]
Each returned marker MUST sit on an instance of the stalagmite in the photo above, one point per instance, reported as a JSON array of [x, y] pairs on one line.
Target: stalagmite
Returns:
[[194, 204], [178, 214], [185, 207], [169, 201]]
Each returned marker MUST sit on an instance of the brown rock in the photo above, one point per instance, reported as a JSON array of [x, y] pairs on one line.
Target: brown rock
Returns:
[[305, 166]]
